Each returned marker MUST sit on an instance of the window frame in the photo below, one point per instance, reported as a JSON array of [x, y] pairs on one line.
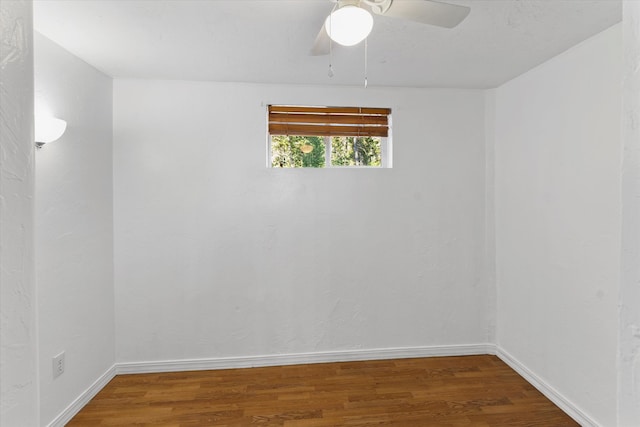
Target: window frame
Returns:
[[386, 147]]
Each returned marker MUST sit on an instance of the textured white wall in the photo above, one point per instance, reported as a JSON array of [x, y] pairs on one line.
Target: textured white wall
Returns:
[[629, 363], [74, 227], [18, 340], [557, 172], [217, 255]]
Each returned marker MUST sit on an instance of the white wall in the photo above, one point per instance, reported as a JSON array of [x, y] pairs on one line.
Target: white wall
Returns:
[[557, 173], [18, 339], [489, 213], [74, 227], [217, 255], [629, 357]]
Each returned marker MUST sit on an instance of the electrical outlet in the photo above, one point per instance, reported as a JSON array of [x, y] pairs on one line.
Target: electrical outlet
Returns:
[[58, 365]]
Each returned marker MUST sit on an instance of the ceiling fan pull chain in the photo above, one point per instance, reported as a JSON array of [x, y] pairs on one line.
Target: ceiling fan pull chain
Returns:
[[366, 49], [330, 73]]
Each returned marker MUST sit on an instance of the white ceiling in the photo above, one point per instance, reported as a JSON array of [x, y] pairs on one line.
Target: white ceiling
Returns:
[[268, 41]]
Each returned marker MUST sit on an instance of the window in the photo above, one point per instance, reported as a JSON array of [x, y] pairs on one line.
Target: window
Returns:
[[318, 137]]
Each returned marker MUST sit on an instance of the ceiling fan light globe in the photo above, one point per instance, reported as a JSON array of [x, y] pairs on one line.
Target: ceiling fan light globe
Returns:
[[349, 25]]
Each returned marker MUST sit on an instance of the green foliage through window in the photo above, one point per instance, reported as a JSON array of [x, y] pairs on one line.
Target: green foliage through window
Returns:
[[355, 151], [287, 151]]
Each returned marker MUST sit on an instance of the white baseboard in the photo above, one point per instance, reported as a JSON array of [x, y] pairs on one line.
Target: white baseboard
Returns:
[[75, 406], [300, 358], [323, 357], [552, 394]]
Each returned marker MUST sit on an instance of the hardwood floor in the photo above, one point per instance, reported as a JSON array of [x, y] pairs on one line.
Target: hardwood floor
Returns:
[[440, 391]]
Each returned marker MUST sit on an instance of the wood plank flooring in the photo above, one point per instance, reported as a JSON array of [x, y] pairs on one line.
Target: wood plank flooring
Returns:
[[439, 392]]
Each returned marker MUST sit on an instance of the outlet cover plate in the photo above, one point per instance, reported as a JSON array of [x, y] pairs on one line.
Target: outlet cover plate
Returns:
[[58, 365]]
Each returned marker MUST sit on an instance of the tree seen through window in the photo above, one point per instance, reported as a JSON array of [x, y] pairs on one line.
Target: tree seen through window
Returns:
[[289, 151]]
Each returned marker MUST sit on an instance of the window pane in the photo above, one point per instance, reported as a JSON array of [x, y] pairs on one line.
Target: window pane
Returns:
[[356, 151], [291, 151]]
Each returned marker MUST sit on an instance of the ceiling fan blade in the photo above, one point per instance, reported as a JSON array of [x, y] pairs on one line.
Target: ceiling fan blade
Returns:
[[428, 12], [321, 45]]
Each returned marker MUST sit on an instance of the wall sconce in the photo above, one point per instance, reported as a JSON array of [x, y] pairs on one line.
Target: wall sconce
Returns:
[[48, 129]]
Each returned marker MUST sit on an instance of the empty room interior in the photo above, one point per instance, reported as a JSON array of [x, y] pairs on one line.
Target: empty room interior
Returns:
[[485, 208]]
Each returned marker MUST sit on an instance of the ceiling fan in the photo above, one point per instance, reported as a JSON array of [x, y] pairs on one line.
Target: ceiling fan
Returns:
[[351, 21]]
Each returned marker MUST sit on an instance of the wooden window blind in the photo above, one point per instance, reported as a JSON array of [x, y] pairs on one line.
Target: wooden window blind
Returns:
[[328, 121]]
